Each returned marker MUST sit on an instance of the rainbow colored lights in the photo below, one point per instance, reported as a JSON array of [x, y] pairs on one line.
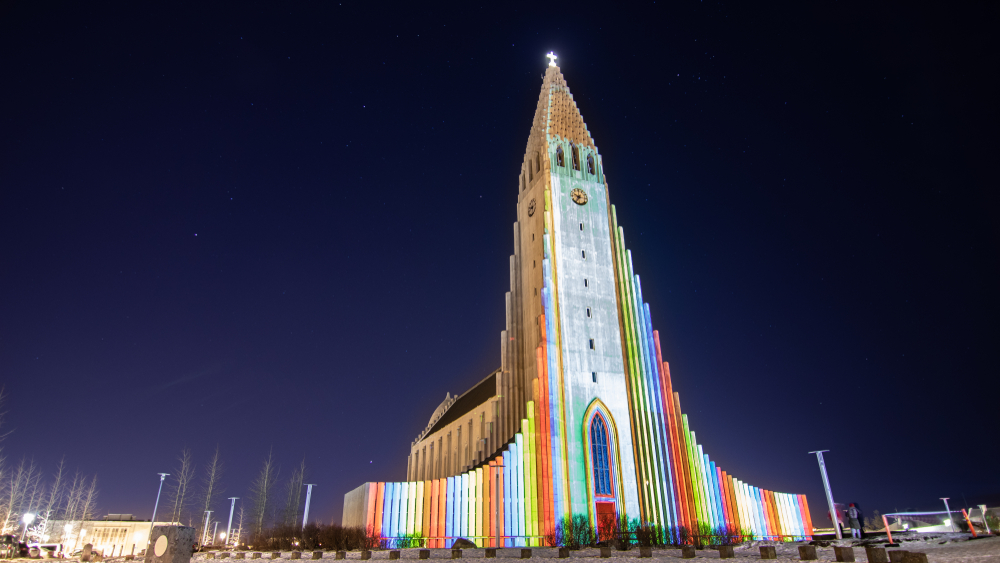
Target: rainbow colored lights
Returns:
[[683, 486], [585, 414]]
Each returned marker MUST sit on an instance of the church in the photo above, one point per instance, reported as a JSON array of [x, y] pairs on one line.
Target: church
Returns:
[[580, 418]]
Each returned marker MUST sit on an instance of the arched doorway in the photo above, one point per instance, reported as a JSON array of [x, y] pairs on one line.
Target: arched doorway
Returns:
[[602, 469]]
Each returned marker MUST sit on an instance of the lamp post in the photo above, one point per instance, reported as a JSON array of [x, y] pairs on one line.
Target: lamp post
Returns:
[[951, 520], [229, 528], [27, 518], [829, 493], [152, 521], [208, 515], [309, 494]]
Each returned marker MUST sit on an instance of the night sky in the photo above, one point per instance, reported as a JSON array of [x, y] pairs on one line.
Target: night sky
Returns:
[[288, 226]]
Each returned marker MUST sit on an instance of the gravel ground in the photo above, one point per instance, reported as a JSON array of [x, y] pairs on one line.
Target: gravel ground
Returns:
[[940, 548]]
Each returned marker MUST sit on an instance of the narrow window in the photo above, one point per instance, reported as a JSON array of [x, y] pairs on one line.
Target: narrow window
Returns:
[[594, 375], [538, 163], [532, 237], [576, 156], [591, 343], [581, 226], [599, 455], [536, 291], [586, 283], [588, 312], [532, 263], [584, 254], [530, 175], [559, 157], [590, 164]]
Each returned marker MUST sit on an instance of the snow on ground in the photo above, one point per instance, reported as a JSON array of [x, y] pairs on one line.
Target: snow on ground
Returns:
[[940, 548]]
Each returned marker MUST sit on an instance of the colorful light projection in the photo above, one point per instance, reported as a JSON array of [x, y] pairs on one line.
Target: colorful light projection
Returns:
[[683, 486]]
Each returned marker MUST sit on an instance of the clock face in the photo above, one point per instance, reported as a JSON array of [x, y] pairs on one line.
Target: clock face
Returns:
[[531, 207], [579, 196]]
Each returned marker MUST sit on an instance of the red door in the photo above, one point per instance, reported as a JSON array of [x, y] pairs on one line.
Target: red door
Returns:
[[605, 520]]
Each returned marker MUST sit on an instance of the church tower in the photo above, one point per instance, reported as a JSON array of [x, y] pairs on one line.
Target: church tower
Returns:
[[581, 417], [564, 344]]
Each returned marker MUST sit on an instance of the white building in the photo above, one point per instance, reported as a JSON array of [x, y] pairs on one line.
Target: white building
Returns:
[[114, 535]]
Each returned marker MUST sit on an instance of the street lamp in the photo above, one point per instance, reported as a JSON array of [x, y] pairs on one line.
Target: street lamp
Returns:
[[208, 514], [232, 506], [951, 521], [27, 518], [152, 521], [829, 493], [309, 494]]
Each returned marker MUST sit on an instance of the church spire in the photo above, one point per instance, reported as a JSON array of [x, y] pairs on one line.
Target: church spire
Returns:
[[557, 119]]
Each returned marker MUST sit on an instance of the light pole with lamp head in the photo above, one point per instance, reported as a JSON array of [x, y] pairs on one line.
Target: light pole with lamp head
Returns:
[[152, 521], [229, 528], [27, 519], [309, 494], [208, 515], [951, 521], [829, 493]]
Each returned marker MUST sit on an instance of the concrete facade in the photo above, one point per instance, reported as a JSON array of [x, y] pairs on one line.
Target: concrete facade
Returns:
[[581, 411]]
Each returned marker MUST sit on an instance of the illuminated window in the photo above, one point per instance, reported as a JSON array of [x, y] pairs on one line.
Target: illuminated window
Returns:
[[599, 455]]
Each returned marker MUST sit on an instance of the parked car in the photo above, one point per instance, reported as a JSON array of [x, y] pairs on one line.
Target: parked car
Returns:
[[10, 547], [46, 550]]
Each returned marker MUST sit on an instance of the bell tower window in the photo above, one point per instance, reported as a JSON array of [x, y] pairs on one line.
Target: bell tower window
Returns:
[[559, 157], [576, 156], [590, 164]]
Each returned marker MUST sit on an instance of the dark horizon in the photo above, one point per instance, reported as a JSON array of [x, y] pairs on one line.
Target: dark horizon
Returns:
[[288, 229]]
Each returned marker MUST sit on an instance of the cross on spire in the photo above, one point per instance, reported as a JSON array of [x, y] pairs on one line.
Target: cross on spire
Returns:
[[552, 58]]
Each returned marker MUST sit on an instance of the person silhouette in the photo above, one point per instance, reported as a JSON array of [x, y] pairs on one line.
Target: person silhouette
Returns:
[[854, 519]]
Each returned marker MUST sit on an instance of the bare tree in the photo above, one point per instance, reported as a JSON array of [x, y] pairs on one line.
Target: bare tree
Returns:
[[293, 495], [88, 502], [56, 491], [261, 493], [239, 529], [17, 491], [3, 414], [71, 509], [211, 488], [182, 479]]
